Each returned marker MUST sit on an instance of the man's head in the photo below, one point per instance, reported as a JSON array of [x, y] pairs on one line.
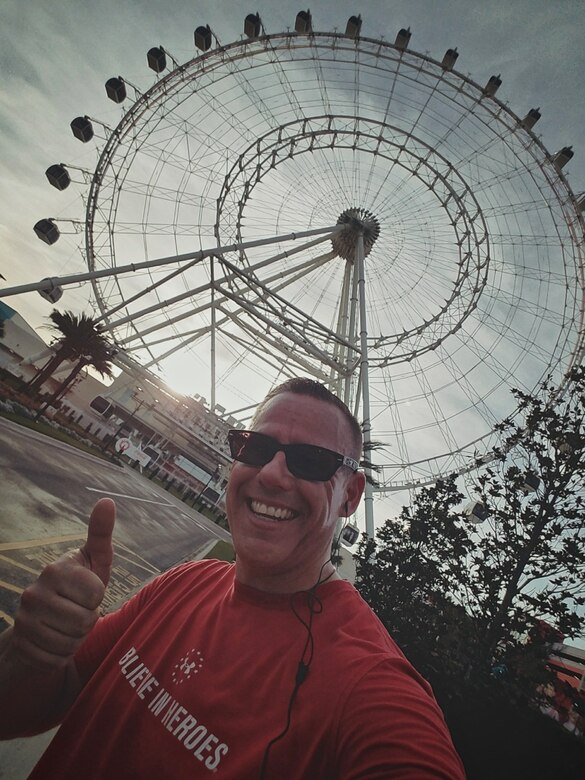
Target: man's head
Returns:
[[304, 386], [283, 525]]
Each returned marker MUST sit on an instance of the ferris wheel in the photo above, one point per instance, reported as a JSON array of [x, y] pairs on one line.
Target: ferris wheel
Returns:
[[344, 207]]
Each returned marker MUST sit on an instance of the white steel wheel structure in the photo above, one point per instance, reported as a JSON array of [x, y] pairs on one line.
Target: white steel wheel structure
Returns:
[[458, 274]]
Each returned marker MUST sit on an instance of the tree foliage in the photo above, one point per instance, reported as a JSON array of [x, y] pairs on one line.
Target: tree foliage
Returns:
[[78, 340], [466, 600]]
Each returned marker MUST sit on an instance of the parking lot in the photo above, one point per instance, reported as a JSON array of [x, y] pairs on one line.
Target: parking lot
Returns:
[[47, 489]]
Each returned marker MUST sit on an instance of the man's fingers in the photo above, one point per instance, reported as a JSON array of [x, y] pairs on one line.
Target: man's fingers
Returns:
[[60, 608], [47, 640], [97, 551], [62, 587], [36, 654], [56, 613]]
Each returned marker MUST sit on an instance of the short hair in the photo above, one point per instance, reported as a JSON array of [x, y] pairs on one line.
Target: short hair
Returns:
[[302, 385]]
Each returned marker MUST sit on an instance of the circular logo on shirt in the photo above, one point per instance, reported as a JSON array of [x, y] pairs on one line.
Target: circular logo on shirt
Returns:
[[187, 667]]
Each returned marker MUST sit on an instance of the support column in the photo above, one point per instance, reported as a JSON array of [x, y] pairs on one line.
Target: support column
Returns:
[[364, 379], [213, 327]]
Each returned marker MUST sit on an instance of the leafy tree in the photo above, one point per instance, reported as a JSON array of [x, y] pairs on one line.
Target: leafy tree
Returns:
[[464, 600], [78, 340]]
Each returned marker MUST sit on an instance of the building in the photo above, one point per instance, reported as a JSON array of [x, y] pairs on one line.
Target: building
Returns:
[[184, 440]]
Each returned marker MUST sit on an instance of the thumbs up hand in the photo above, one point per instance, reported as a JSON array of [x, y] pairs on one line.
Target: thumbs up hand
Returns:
[[97, 553], [58, 610]]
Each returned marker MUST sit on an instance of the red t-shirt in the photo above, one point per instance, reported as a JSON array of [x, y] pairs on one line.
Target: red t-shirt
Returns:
[[192, 678]]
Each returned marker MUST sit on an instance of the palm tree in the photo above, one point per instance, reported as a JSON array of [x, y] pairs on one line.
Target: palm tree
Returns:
[[79, 341], [4, 313], [100, 360]]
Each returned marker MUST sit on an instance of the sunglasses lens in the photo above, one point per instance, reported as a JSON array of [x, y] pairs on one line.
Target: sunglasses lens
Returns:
[[308, 462], [251, 448]]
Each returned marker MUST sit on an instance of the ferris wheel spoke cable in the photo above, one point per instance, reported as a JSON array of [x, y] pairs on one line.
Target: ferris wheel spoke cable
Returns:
[[526, 342], [539, 311], [397, 432], [286, 86], [272, 357], [435, 407], [252, 347], [462, 379], [386, 116], [394, 203], [306, 183], [499, 375]]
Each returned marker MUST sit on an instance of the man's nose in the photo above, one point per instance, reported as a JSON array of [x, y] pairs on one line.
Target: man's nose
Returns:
[[276, 470]]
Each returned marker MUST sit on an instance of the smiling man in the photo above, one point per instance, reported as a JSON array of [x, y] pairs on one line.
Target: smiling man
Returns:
[[282, 517], [273, 667]]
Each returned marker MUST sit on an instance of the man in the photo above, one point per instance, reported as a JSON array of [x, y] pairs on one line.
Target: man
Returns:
[[269, 668]]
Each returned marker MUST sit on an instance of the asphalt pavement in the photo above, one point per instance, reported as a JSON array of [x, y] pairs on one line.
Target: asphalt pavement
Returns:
[[47, 489]]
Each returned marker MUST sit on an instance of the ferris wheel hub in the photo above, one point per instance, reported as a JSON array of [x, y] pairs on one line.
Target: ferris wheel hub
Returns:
[[357, 221]]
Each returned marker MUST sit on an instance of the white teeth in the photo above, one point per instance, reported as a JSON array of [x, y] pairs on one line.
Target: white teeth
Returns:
[[271, 512]]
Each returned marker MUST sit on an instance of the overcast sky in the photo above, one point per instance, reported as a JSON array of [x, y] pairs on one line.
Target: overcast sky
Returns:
[[56, 55]]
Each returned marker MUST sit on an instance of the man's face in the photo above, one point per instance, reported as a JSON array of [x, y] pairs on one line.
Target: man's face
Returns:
[[282, 526]]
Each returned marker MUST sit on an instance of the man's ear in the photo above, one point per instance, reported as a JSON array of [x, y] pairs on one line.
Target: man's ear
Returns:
[[353, 491]]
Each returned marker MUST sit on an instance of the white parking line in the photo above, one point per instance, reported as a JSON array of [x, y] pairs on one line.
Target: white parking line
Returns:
[[132, 498], [200, 524]]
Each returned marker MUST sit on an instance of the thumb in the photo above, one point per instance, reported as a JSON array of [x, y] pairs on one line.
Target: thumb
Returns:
[[97, 551]]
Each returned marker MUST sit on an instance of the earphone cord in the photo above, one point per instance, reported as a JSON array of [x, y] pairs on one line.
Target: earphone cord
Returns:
[[315, 606]]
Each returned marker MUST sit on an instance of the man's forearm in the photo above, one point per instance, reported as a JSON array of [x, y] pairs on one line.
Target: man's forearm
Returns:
[[33, 699]]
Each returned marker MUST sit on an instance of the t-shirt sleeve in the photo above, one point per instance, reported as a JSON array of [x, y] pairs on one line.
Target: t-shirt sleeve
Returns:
[[391, 727]]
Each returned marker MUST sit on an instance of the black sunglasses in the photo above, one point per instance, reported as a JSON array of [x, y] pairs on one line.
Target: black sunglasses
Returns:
[[304, 461]]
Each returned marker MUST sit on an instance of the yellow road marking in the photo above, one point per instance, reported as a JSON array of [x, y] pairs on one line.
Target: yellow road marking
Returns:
[[7, 618], [8, 586], [38, 542], [29, 543], [135, 554], [19, 565], [7, 546], [148, 566]]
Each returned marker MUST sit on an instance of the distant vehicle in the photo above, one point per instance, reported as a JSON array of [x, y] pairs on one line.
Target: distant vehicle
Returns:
[[154, 454], [102, 406]]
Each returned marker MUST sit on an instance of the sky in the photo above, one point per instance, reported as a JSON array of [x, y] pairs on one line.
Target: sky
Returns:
[[56, 56]]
